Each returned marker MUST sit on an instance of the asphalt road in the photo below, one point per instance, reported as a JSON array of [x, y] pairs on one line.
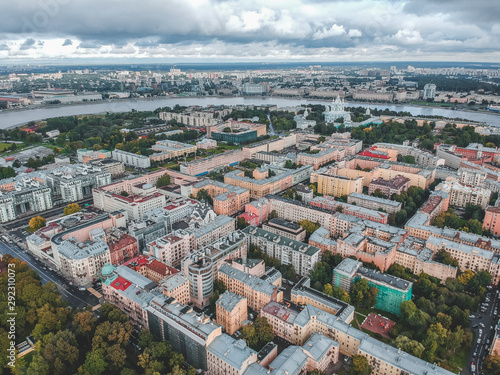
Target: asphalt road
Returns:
[[482, 334], [75, 297]]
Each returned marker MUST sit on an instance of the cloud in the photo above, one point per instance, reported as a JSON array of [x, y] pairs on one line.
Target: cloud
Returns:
[[28, 44], [282, 28], [334, 30], [4, 47]]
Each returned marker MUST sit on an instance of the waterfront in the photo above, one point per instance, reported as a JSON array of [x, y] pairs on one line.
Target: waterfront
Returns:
[[9, 119]]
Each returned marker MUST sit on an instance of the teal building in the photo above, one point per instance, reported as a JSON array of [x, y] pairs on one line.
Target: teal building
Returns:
[[392, 291], [237, 138]]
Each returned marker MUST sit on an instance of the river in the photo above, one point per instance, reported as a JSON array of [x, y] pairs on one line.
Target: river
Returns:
[[13, 118]]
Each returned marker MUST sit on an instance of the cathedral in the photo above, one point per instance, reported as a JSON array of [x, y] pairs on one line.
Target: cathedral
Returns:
[[336, 111]]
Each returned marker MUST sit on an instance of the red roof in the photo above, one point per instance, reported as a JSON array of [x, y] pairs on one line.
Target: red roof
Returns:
[[120, 283], [10, 159], [124, 241]]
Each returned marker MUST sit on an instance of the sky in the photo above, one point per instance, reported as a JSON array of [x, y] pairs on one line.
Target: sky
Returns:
[[68, 31]]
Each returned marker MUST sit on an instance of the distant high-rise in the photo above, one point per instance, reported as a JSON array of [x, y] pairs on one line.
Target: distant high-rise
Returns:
[[429, 91]]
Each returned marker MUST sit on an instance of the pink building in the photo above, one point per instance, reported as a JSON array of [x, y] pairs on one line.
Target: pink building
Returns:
[[258, 208], [124, 249], [491, 220], [389, 187]]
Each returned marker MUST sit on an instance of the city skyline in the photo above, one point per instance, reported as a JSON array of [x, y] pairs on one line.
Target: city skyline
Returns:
[[63, 31]]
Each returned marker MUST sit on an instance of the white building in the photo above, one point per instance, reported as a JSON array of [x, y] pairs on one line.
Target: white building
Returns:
[[129, 158], [461, 195], [336, 111], [429, 91], [290, 252], [303, 122]]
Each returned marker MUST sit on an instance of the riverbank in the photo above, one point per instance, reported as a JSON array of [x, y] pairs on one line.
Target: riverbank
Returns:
[[19, 117]]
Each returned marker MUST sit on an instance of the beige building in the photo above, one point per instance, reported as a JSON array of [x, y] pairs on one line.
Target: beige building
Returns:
[[176, 286], [374, 203], [171, 149], [172, 248], [321, 158], [231, 311], [227, 199], [285, 228], [337, 185], [257, 291], [203, 166], [461, 195]]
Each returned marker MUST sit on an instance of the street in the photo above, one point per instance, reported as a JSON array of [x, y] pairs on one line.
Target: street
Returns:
[[483, 323], [75, 297]]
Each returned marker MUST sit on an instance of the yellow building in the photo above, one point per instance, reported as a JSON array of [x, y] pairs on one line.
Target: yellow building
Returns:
[[231, 311], [337, 185]]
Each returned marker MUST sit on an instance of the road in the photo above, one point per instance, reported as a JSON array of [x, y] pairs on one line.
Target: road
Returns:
[[482, 334], [75, 297]]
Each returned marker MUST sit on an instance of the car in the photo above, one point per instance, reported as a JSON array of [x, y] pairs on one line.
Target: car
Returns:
[[472, 316], [479, 341], [475, 354], [82, 288], [472, 367], [474, 326], [482, 325]]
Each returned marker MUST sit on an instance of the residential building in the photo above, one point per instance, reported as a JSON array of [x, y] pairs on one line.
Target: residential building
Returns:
[[201, 266], [259, 210], [329, 203], [203, 166], [285, 228], [129, 158], [144, 198], [173, 247], [320, 158], [176, 286], [461, 195], [389, 187], [21, 195], [231, 311], [128, 290], [421, 157], [302, 256], [228, 356], [374, 203], [72, 183], [167, 149], [190, 118], [282, 180], [322, 240], [337, 185], [257, 291], [491, 220], [206, 144], [122, 247], [392, 291], [227, 199], [84, 156], [115, 168], [189, 333], [429, 91]]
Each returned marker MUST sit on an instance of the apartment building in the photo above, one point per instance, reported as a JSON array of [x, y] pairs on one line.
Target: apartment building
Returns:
[[201, 266], [227, 199], [172, 248], [491, 220], [397, 185], [302, 256], [259, 188], [176, 286], [392, 291], [115, 168], [374, 203], [129, 158], [321, 238], [72, 183], [144, 198], [320, 158], [190, 118], [231, 311], [167, 150], [258, 292], [122, 247], [329, 203], [422, 157], [228, 356], [461, 195], [285, 228], [189, 333], [84, 156], [203, 166], [21, 195], [212, 231], [128, 290], [337, 185], [349, 146]]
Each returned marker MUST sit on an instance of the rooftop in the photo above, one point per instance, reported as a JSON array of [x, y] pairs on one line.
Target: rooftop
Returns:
[[228, 300], [234, 352], [379, 277]]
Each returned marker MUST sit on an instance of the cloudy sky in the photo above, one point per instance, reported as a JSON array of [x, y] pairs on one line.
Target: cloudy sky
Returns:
[[249, 30]]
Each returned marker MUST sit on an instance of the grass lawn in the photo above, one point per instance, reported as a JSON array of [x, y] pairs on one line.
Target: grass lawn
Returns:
[[459, 359], [4, 146]]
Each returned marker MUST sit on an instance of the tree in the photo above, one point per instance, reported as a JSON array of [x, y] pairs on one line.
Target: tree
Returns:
[[320, 275], [163, 181], [241, 223], [337, 292], [465, 277], [203, 194], [491, 365], [362, 295], [37, 222], [273, 215], [412, 347], [360, 366], [258, 334], [84, 322], [444, 257], [72, 208], [17, 163], [95, 363], [309, 226]]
